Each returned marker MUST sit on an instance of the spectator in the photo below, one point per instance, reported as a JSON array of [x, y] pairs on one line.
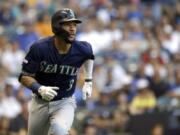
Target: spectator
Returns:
[[6, 16], [9, 106], [12, 58], [158, 129], [4, 126], [27, 35], [145, 99], [111, 74], [18, 125], [90, 130], [43, 27]]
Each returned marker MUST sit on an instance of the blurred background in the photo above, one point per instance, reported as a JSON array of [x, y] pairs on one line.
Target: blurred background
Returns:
[[136, 87]]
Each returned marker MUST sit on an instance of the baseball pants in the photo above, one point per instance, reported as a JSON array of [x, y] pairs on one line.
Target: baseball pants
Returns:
[[51, 118]]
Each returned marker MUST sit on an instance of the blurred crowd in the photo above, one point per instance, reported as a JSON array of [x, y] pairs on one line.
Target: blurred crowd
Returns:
[[137, 65]]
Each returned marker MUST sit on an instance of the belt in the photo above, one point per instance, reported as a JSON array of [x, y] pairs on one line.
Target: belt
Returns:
[[40, 97]]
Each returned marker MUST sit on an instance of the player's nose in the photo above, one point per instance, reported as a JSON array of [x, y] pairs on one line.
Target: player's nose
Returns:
[[72, 27]]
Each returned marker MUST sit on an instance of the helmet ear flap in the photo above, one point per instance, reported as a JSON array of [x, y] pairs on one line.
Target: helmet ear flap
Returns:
[[55, 26]]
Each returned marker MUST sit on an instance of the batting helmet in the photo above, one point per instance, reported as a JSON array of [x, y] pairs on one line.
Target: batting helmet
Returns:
[[62, 16]]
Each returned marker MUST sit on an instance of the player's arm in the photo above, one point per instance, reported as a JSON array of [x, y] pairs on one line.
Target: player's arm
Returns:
[[46, 92], [30, 66], [88, 73], [88, 70], [28, 82]]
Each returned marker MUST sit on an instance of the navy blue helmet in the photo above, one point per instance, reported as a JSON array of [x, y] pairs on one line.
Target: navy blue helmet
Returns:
[[60, 17]]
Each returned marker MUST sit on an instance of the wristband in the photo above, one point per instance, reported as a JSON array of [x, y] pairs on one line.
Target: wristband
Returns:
[[88, 80], [35, 86]]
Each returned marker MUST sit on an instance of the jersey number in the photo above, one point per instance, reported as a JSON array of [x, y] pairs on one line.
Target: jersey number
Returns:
[[71, 82]]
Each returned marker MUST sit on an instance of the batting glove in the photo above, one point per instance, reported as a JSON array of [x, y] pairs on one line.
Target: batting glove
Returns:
[[87, 90], [48, 93]]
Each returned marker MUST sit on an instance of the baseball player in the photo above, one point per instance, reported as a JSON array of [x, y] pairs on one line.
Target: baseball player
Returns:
[[50, 70]]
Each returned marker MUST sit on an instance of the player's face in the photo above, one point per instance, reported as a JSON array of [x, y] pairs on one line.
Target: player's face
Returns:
[[71, 28]]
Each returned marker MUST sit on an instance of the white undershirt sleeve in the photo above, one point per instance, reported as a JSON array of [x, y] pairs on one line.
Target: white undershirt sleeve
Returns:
[[88, 69]]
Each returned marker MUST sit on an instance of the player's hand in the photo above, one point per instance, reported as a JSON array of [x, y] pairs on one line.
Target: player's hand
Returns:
[[48, 93], [87, 90]]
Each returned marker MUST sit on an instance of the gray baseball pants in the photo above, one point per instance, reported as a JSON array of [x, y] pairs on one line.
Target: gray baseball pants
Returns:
[[51, 118]]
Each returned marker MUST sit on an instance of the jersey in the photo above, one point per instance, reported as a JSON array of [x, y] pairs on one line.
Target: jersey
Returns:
[[50, 68]]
